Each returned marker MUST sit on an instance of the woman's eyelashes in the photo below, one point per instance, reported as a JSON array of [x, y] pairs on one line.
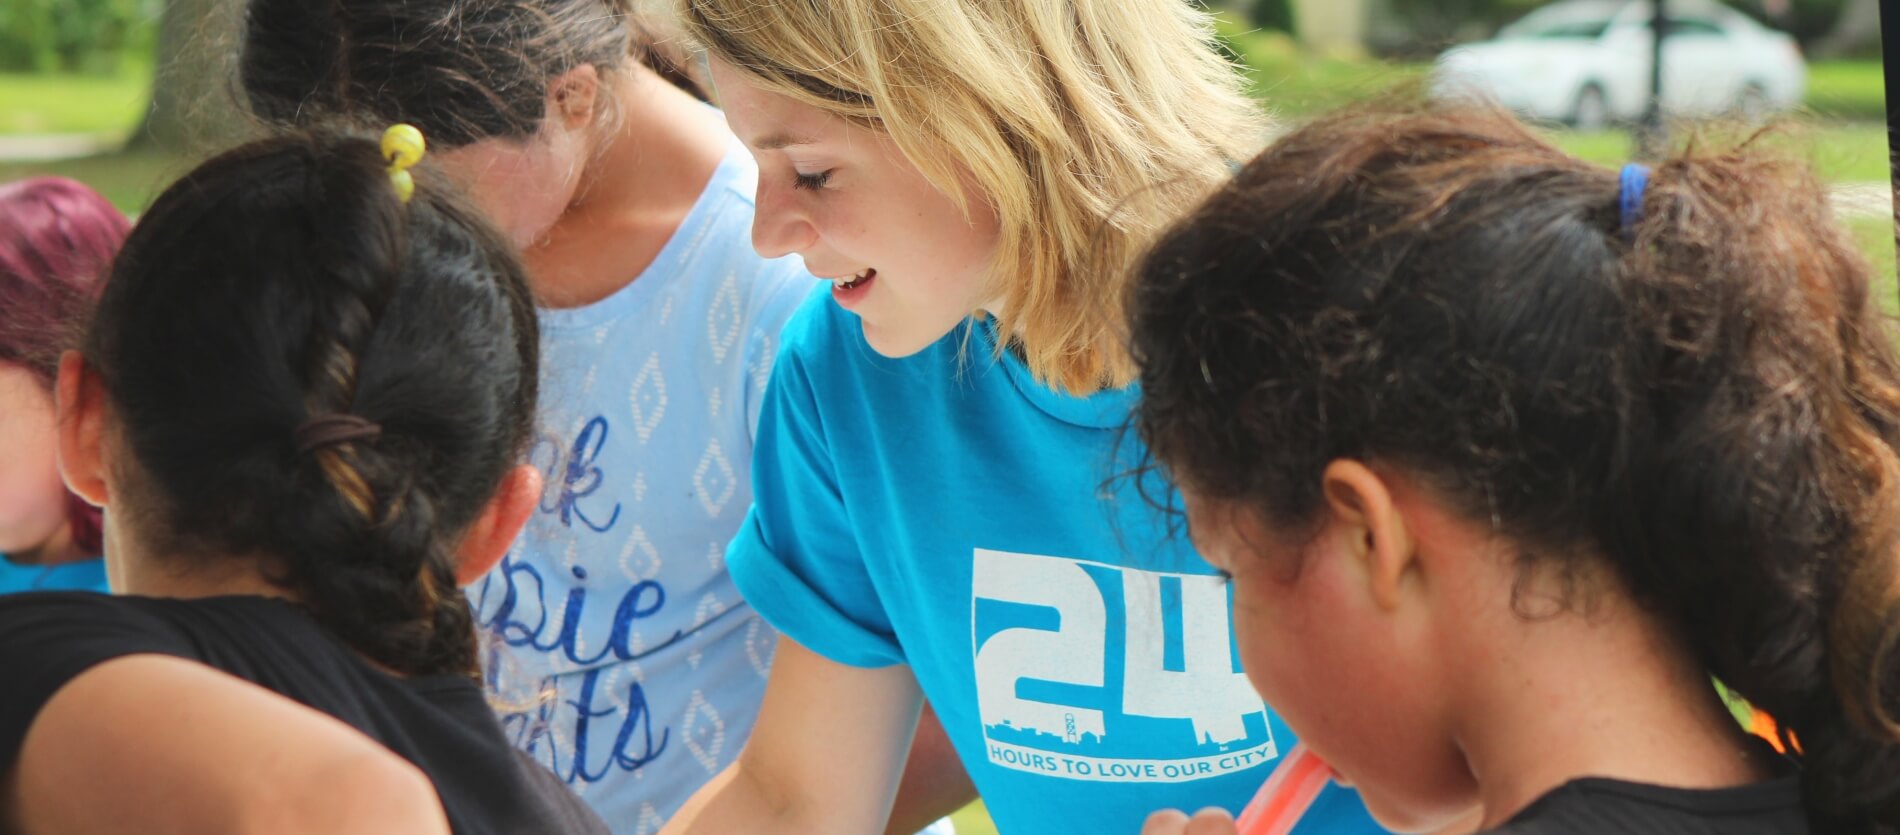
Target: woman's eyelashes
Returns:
[[811, 182]]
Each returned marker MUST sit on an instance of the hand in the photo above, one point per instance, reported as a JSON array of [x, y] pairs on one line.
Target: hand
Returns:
[[1212, 821]]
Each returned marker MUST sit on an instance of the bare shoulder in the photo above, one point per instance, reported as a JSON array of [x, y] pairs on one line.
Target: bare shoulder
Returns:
[[159, 744]]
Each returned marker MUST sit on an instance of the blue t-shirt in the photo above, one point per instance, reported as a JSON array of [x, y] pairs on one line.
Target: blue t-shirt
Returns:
[[79, 575], [621, 654], [947, 512]]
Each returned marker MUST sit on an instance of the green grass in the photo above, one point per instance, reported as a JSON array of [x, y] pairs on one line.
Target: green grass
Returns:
[[129, 179], [1316, 85], [1295, 83], [1848, 90], [1875, 236], [36, 104], [1607, 147], [1840, 153]]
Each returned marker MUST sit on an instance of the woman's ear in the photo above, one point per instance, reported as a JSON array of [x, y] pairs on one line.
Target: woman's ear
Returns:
[[1375, 532], [489, 537], [79, 402], [573, 97]]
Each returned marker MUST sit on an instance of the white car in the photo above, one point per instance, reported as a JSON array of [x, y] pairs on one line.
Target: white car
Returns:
[[1587, 62]]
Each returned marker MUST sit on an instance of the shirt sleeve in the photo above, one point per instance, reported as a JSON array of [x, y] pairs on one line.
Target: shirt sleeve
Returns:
[[48, 639], [796, 559]]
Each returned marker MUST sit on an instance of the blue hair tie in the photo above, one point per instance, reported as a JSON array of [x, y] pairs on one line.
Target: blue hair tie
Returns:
[[1629, 200]]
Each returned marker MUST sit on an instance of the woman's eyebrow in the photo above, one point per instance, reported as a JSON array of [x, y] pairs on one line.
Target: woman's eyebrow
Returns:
[[780, 141]]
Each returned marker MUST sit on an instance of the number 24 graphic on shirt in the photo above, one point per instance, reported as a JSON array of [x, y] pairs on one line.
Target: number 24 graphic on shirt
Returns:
[[1090, 671]]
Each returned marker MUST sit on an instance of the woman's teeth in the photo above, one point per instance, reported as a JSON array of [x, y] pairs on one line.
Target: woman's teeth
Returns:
[[858, 279]]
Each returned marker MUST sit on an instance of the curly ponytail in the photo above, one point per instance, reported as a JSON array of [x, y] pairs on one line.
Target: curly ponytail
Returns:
[[1759, 499], [284, 282], [1709, 402]]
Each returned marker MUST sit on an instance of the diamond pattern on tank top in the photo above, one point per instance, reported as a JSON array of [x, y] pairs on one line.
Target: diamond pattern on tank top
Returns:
[[704, 731], [613, 685], [639, 560], [649, 821], [649, 398], [715, 481], [761, 645], [761, 366], [725, 319], [708, 608]]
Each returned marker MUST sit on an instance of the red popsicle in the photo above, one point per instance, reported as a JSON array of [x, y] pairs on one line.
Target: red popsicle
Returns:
[[1286, 795]]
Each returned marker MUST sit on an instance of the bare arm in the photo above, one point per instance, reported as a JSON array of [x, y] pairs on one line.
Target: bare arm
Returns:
[[155, 744], [823, 758], [934, 783]]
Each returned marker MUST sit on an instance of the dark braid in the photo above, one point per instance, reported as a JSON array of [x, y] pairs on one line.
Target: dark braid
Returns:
[[285, 281]]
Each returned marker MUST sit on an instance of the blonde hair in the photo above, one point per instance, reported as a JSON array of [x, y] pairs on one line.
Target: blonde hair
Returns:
[[1086, 125]]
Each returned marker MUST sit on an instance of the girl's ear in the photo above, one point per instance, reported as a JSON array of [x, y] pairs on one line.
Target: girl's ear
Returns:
[[1375, 533], [79, 401], [489, 537], [573, 96]]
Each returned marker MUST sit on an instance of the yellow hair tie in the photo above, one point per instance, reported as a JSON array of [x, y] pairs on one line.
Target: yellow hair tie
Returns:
[[403, 147]]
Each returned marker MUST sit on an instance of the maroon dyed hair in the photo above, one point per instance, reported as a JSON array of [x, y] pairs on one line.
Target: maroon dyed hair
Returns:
[[56, 239]]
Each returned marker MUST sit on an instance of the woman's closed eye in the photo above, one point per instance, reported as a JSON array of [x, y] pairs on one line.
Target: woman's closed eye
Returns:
[[812, 182]]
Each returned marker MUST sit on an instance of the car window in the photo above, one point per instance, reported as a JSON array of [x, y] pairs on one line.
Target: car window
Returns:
[[1565, 20], [1681, 26], [1589, 29]]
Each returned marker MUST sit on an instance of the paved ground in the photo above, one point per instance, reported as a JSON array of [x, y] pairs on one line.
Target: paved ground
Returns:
[[1863, 200], [49, 147]]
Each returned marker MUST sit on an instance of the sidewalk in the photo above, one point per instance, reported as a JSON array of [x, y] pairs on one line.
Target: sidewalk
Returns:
[[58, 146], [1857, 200]]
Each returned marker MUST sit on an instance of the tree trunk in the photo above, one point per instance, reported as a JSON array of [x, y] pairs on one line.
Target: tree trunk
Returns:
[[1890, 50], [195, 106], [1857, 30]]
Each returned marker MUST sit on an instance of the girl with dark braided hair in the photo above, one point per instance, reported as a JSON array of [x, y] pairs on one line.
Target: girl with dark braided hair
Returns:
[[303, 401], [622, 654], [1509, 455]]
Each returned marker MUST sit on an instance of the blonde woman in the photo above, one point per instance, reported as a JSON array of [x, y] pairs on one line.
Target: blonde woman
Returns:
[[935, 509]]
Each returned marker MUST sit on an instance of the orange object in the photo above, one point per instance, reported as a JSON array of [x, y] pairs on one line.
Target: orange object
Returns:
[[1287, 794], [1763, 725]]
